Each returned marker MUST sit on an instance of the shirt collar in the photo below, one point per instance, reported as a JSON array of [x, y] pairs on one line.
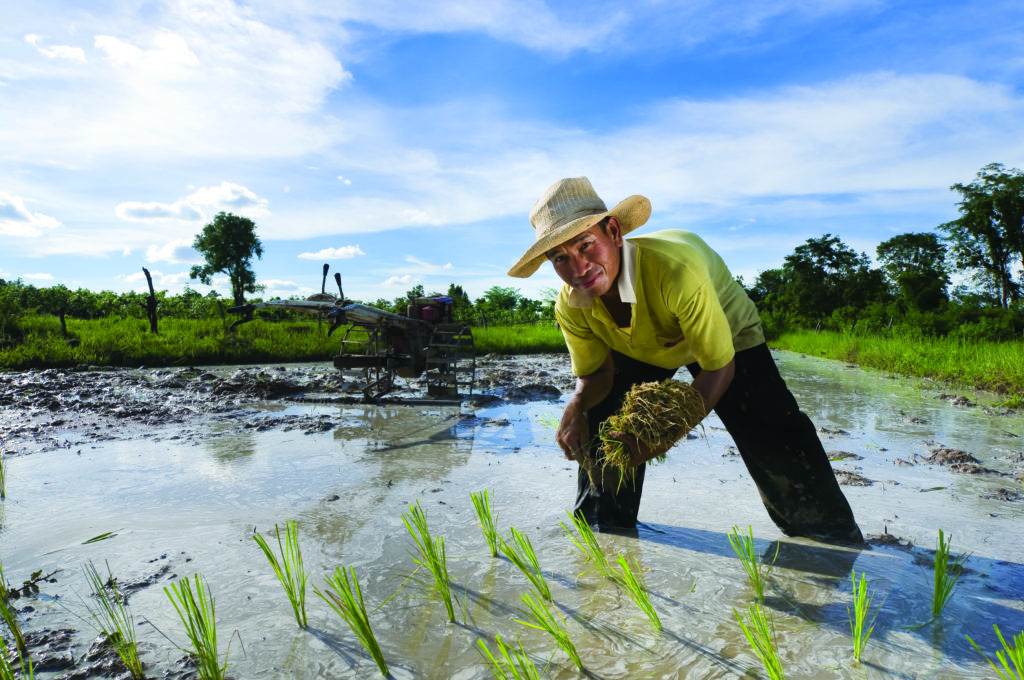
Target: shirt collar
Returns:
[[626, 282]]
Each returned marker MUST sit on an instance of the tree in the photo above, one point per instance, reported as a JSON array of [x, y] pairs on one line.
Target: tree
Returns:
[[228, 244], [915, 264], [824, 274], [989, 234], [462, 306]]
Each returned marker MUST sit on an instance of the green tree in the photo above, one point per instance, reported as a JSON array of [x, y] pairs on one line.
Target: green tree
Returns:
[[915, 264], [228, 244], [462, 306], [989, 234], [824, 274]]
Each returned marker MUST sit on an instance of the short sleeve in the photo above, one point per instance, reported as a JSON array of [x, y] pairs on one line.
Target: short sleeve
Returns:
[[586, 351], [706, 328]]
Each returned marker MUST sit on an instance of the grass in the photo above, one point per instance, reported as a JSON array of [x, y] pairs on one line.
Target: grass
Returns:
[[287, 565], [519, 339], [1009, 654], [759, 630], [431, 554], [195, 606], [3, 476], [980, 364], [520, 552], [586, 542], [542, 618], [757, 573], [345, 597], [633, 584], [9, 617], [511, 663], [858, 615], [482, 505], [946, 572], [7, 672], [113, 619]]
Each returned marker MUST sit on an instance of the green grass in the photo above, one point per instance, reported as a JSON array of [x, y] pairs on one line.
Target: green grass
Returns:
[[3, 476], [541, 618], [759, 630], [583, 537], [511, 663], [25, 669], [521, 339], [482, 505], [195, 606], [431, 556], [113, 619], [632, 583], [520, 552], [345, 597], [858, 615], [1010, 657], [946, 572], [757, 573], [9, 617], [989, 365], [287, 565]]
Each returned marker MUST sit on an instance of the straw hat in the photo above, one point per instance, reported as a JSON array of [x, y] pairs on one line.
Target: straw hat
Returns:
[[568, 208]]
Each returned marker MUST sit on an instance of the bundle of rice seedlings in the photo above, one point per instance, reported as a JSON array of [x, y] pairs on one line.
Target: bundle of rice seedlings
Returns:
[[195, 607], [542, 618], [482, 505], [760, 634], [658, 414], [633, 584], [9, 617], [859, 614], [113, 619], [289, 567], [345, 597], [586, 542], [520, 552], [511, 663], [947, 573], [757, 573], [1009, 654], [431, 554]]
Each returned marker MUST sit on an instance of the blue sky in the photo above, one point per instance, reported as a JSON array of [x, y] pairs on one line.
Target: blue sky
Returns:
[[405, 142]]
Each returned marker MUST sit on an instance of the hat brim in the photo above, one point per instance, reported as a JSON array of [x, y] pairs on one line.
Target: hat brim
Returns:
[[631, 212]]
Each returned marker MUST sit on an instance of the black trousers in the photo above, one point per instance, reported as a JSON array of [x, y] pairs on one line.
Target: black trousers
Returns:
[[777, 441]]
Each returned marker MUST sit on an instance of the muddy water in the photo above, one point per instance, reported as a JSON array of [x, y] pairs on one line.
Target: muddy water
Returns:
[[183, 496]]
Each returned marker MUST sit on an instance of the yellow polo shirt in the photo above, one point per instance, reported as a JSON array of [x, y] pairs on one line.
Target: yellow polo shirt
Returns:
[[686, 307]]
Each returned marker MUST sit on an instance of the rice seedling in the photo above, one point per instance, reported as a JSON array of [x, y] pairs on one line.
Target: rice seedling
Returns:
[[195, 607], [345, 597], [7, 672], [858, 615], [288, 566], [947, 573], [1009, 654], [9, 617], [542, 618], [511, 663], [760, 633], [633, 584], [520, 552], [757, 573], [431, 554], [658, 414], [586, 542], [3, 476], [113, 619], [482, 505]]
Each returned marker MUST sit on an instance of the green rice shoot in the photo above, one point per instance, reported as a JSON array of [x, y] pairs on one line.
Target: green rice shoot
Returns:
[[113, 619], [757, 573], [9, 617], [1009, 654], [482, 505], [632, 583], [3, 476], [25, 671], [345, 597], [520, 552], [431, 554], [586, 542], [858, 614], [760, 633], [542, 618], [288, 566], [511, 663], [947, 573], [195, 606]]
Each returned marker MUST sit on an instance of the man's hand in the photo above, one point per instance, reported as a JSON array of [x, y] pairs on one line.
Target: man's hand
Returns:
[[574, 430], [638, 451]]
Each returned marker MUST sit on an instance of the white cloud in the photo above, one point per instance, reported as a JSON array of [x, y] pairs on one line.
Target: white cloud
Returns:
[[400, 280], [146, 211], [199, 205], [40, 276], [342, 253], [175, 281], [428, 267], [66, 52], [17, 220], [345, 180], [178, 251]]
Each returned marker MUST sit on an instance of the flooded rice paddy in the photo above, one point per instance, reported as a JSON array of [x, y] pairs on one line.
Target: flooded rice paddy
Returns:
[[181, 469]]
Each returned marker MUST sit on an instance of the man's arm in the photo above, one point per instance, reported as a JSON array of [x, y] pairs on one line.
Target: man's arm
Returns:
[[574, 431], [713, 384]]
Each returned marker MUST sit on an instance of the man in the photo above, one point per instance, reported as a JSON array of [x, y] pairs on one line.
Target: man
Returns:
[[635, 311]]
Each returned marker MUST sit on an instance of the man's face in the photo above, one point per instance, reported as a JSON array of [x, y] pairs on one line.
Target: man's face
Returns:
[[590, 262]]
